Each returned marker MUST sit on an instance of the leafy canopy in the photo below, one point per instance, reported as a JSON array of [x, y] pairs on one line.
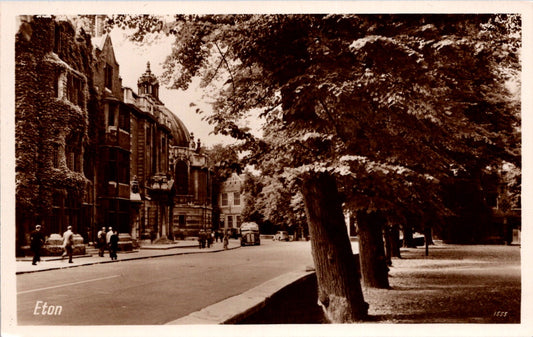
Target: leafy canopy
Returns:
[[393, 103]]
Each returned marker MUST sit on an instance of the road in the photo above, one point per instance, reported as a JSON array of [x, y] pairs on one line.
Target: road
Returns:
[[151, 291]]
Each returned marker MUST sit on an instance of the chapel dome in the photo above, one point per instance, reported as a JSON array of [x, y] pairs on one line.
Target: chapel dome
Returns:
[[148, 85], [177, 127]]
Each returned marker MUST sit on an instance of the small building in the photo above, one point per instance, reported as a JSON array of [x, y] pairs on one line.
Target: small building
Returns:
[[231, 202]]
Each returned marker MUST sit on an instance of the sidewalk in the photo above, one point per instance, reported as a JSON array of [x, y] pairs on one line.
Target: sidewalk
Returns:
[[144, 252]]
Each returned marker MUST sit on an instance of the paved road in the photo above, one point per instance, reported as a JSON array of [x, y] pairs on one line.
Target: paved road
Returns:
[[151, 291]]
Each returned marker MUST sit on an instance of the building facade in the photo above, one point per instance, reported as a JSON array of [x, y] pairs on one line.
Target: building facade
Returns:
[[54, 110], [231, 203], [91, 153], [170, 177]]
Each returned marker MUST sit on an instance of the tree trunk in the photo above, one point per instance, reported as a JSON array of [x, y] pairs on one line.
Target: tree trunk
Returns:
[[428, 235], [408, 237], [339, 289], [427, 238], [395, 240], [371, 250]]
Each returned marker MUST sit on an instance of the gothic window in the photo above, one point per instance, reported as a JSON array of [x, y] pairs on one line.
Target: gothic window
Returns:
[[182, 178]]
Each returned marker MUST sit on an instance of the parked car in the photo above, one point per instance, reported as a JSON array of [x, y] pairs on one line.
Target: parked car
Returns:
[[281, 236]]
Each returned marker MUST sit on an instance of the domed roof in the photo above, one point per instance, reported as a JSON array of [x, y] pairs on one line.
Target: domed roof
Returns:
[[177, 127], [148, 85]]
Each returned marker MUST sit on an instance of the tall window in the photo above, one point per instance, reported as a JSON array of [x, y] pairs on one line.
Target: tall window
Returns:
[[230, 221], [236, 198], [112, 165], [239, 221], [124, 120], [123, 167], [110, 114], [75, 90], [73, 153], [224, 199], [182, 178], [57, 39], [108, 77]]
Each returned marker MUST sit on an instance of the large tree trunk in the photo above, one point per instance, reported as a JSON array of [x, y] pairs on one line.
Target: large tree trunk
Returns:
[[339, 289], [371, 250]]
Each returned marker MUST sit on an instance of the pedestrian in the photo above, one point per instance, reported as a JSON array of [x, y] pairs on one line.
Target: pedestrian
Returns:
[[68, 243], [201, 239], [113, 245], [101, 241], [36, 243], [226, 241], [108, 235]]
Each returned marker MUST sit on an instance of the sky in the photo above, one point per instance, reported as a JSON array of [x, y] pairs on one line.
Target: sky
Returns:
[[132, 59]]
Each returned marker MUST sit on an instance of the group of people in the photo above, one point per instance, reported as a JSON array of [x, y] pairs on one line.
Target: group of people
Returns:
[[207, 238], [37, 240], [107, 240]]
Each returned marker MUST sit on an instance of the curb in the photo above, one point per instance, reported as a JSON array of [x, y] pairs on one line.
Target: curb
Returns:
[[236, 308], [123, 260]]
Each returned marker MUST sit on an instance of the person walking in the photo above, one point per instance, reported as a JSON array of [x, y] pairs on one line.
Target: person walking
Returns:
[[101, 240], [68, 244], [226, 241], [113, 245], [108, 235], [36, 243]]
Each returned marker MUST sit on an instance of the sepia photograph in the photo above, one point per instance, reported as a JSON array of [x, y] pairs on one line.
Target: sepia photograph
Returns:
[[265, 168]]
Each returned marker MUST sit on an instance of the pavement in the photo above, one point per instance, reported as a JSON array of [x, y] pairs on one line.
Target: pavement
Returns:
[[23, 265], [228, 311]]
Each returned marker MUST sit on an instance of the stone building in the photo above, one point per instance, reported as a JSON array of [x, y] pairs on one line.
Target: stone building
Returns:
[[54, 107], [170, 178], [90, 153], [114, 139]]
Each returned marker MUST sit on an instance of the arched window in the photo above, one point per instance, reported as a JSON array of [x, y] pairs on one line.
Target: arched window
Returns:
[[182, 178]]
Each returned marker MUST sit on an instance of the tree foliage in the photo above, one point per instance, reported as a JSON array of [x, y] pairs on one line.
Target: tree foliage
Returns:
[[395, 102], [393, 105]]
